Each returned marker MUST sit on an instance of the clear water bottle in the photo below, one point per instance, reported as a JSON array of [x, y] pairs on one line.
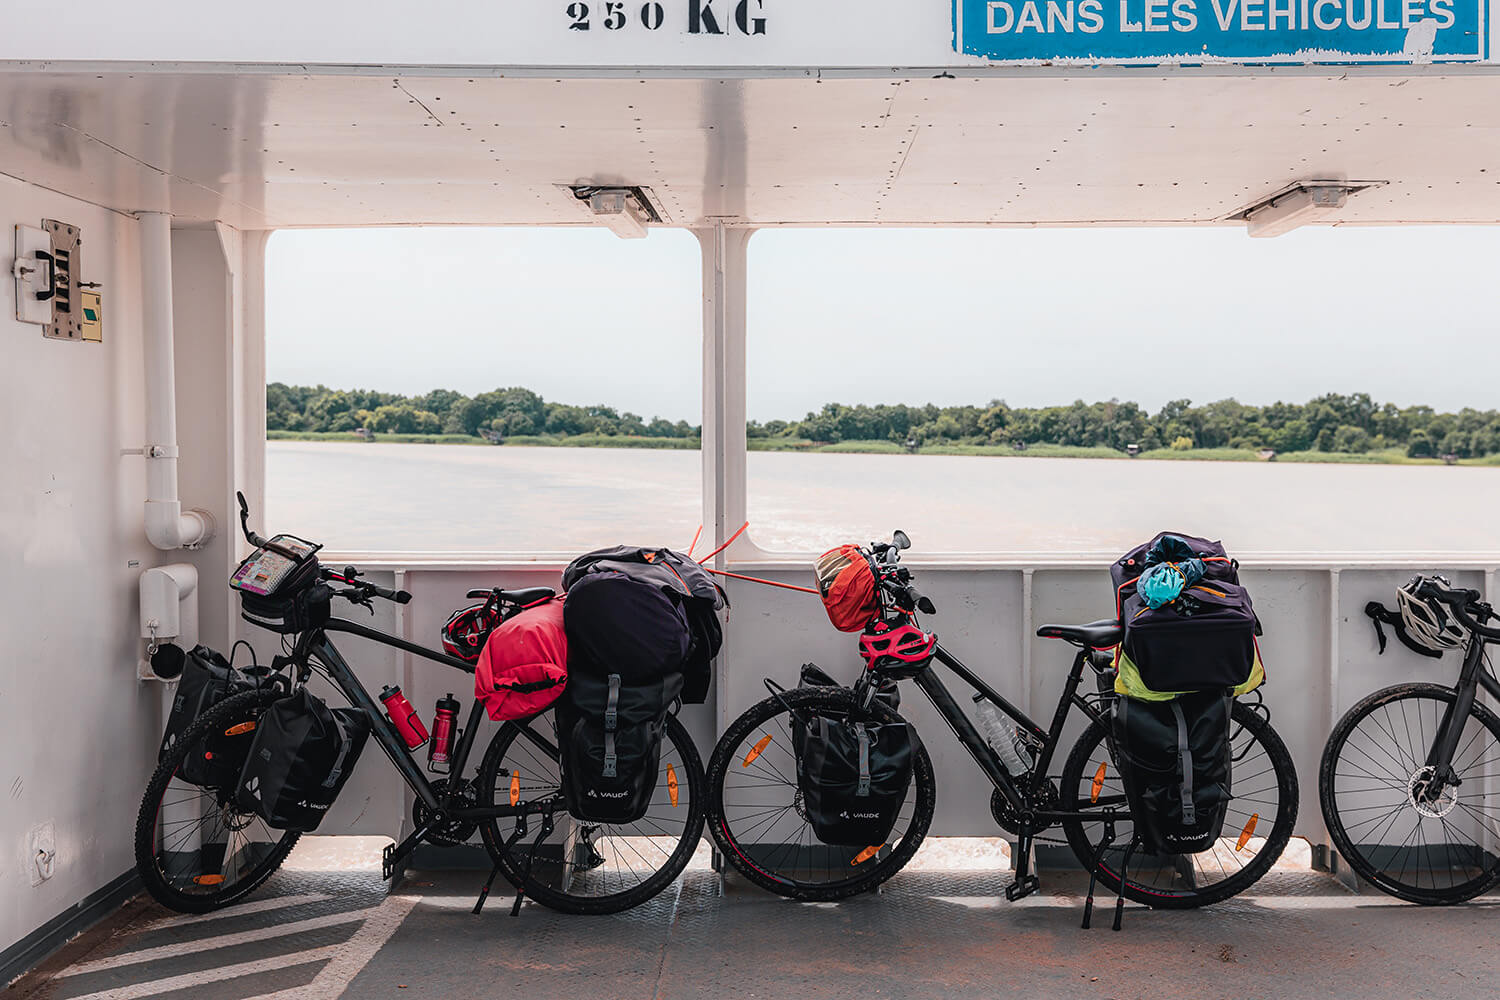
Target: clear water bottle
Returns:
[[1001, 734]]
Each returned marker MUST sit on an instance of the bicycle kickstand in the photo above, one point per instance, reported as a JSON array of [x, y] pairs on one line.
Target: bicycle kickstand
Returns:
[[517, 834], [1124, 874], [515, 910], [1104, 845]]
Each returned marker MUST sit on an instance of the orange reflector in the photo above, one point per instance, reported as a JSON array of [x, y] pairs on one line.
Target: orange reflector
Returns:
[[208, 879], [241, 729], [515, 789], [866, 854], [1247, 831], [672, 784], [1098, 782], [757, 750]]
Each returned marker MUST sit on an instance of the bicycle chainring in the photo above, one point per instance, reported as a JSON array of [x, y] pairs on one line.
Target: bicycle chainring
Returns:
[[1010, 820], [449, 832]]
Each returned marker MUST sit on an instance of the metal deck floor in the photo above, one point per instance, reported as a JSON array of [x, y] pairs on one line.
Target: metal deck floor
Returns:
[[930, 934]]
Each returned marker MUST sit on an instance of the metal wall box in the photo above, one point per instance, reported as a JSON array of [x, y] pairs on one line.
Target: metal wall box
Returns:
[[67, 317]]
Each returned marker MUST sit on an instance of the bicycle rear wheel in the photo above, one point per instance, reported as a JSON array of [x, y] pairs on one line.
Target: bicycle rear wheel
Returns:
[[589, 867], [1418, 842], [756, 812], [195, 850], [1256, 830]]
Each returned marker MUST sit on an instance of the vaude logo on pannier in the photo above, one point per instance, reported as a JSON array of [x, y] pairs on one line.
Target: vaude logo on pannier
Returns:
[[846, 814], [320, 806], [596, 794], [253, 787]]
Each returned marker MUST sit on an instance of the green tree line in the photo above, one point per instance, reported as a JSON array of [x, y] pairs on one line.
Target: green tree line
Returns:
[[506, 412], [1330, 423]]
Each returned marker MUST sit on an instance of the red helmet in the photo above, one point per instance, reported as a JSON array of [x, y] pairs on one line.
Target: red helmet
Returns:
[[468, 628], [886, 645]]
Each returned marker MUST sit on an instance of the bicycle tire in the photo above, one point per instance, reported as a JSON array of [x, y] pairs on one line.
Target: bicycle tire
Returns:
[[535, 778], [1079, 772], [1339, 822], [168, 891], [756, 725]]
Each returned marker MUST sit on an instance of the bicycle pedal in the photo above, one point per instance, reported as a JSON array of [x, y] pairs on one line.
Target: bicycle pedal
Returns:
[[1022, 887], [388, 862]]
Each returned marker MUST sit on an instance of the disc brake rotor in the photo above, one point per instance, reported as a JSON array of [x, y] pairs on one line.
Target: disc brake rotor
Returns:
[[1419, 795]]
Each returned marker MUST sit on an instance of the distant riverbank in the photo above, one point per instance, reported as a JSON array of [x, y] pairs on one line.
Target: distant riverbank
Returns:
[[1388, 456]]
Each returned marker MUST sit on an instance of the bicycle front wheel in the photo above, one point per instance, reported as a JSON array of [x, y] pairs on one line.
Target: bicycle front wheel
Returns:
[[584, 867], [1256, 828], [757, 815], [1419, 840], [195, 849]]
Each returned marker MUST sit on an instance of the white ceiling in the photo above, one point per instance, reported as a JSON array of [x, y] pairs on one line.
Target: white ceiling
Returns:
[[269, 149]]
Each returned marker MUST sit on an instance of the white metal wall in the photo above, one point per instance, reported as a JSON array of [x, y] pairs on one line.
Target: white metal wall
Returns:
[[75, 744]]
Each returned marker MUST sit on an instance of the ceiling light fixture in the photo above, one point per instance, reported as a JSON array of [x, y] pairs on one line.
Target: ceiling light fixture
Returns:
[[1302, 203], [618, 209]]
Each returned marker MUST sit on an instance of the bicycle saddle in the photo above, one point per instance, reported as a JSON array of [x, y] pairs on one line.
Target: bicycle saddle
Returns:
[[524, 596], [1096, 635]]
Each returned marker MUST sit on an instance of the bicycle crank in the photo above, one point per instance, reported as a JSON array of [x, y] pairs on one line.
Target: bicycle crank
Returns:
[[446, 831]]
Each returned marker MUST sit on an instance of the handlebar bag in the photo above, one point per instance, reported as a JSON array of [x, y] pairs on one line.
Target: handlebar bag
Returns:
[[291, 612], [523, 667], [846, 583], [853, 775], [686, 583], [207, 679], [1174, 760], [302, 754], [1204, 640]]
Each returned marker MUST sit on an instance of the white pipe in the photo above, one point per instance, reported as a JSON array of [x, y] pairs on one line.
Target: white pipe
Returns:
[[168, 526]]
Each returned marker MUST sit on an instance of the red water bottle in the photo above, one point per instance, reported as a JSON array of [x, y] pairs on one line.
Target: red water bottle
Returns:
[[404, 717], [444, 725]]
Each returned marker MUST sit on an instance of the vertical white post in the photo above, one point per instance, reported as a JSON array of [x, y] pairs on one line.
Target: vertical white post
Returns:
[[1333, 705], [724, 500], [1028, 616]]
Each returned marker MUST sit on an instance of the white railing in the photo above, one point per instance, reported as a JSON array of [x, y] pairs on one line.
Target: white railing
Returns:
[[1319, 648]]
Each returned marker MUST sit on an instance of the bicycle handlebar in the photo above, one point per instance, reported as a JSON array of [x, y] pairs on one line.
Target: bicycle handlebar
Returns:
[[363, 589], [1461, 601]]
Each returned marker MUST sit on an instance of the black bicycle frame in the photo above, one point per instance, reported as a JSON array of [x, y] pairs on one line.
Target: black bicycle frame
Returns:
[[318, 646], [1473, 676], [1020, 798]]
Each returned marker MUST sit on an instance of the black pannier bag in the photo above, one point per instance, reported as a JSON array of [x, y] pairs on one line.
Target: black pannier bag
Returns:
[[207, 679], [302, 754], [689, 586], [1174, 760], [627, 644], [853, 775]]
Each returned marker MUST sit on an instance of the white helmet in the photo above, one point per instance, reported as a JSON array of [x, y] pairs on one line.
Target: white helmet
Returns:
[[1427, 620]]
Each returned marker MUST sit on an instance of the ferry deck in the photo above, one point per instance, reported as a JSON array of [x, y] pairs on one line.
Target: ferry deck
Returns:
[[168, 148]]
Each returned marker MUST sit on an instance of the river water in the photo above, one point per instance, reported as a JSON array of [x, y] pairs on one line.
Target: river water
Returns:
[[469, 499]]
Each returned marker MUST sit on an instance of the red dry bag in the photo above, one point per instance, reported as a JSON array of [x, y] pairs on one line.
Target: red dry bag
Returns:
[[524, 666]]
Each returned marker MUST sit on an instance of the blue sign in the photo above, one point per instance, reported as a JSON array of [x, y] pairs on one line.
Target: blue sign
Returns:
[[1220, 31]]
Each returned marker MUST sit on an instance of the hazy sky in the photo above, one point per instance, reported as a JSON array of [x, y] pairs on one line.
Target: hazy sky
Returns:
[[1035, 317]]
